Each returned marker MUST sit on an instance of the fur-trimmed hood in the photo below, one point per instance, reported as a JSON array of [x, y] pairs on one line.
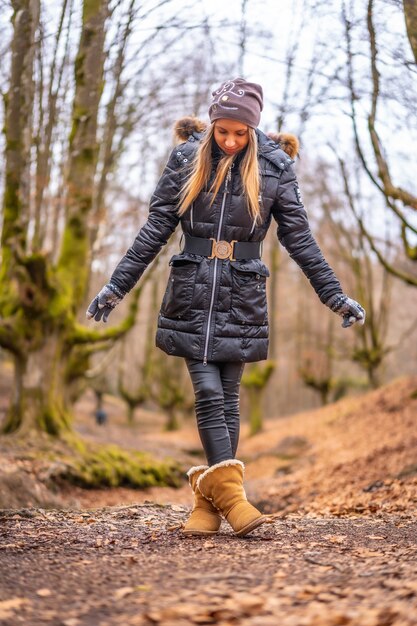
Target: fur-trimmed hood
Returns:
[[190, 126]]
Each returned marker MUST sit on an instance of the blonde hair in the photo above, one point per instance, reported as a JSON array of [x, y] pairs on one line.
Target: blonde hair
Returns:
[[201, 170]]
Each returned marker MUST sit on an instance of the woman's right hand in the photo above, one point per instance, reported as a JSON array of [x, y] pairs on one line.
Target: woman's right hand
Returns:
[[104, 302]]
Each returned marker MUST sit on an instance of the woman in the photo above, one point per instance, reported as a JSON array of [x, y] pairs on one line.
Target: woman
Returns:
[[224, 185]]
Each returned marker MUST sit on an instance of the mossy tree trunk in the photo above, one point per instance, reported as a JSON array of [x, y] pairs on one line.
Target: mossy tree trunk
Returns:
[[371, 340], [255, 380], [317, 369], [39, 399], [257, 375], [168, 390], [172, 422], [38, 300]]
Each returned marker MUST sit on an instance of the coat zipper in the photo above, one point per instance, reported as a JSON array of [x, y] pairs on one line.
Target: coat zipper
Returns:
[[226, 188]]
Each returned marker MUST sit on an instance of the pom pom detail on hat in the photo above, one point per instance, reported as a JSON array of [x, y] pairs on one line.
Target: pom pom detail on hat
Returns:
[[239, 100]]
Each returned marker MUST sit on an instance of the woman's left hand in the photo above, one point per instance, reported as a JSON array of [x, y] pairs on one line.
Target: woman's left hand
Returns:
[[105, 301], [349, 309]]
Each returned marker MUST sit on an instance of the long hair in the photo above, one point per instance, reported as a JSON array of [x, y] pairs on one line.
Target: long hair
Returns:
[[200, 174]]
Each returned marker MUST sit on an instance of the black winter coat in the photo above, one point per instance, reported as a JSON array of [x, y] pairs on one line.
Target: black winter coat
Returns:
[[216, 310]]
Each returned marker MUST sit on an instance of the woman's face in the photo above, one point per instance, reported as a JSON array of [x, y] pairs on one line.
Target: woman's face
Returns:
[[231, 136]]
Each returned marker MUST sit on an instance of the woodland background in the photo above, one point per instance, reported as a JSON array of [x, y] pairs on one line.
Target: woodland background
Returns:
[[91, 91]]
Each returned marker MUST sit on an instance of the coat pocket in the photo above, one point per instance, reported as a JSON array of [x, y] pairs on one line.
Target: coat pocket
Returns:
[[249, 303], [178, 295]]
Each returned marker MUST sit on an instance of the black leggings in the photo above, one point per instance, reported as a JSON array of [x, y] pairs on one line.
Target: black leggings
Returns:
[[216, 389]]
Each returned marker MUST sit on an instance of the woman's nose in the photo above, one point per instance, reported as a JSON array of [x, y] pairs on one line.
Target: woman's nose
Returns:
[[230, 142]]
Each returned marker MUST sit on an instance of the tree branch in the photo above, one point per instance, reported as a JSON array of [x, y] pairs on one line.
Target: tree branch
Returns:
[[390, 190], [83, 335]]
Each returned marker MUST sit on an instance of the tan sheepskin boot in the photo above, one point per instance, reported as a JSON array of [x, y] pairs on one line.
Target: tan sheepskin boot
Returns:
[[222, 484], [205, 518]]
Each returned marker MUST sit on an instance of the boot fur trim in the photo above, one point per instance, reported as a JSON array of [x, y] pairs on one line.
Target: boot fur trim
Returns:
[[217, 465], [195, 469]]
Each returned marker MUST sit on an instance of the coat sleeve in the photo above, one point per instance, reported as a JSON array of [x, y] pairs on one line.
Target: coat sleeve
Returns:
[[295, 235], [158, 228]]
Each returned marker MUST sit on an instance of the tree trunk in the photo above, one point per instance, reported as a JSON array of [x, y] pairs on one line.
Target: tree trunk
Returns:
[[172, 421], [255, 397], [273, 297], [39, 400], [255, 381], [410, 13], [18, 133], [75, 250], [38, 302], [373, 377], [131, 414]]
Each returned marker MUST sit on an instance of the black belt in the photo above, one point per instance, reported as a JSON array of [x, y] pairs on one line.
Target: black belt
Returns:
[[235, 250]]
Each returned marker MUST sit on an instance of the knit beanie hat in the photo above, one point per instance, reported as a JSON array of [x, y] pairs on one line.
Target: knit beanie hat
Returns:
[[237, 100]]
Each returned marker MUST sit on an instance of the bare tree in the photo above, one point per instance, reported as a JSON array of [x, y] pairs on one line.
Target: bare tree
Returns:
[[38, 300], [410, 14], [397, 198]]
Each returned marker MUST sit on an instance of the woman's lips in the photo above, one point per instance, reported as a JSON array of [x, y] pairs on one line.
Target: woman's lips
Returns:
[[230, 151]]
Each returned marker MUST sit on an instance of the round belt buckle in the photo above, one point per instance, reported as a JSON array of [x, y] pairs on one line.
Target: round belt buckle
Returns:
[[223, 249]]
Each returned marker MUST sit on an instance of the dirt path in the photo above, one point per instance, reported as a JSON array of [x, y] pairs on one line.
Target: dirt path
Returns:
[[132, 566], [343, 481]]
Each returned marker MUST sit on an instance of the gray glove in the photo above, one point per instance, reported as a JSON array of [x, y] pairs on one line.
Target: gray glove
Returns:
[[104, 302], [349, 309]]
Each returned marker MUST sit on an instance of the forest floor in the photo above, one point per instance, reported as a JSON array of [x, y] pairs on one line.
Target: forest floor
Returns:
[[340, 548]]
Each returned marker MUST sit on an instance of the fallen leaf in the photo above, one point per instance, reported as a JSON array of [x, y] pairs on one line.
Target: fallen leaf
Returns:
[[365, 553], [375, 537], [44, 593], [122, 592], [335, 538], [8, 606]]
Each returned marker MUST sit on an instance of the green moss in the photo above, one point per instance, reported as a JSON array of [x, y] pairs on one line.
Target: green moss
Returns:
[[73, 460], [12, 228], [88, 155], [9, 295], [110, 466], [72, 272], [91, 8], [84, 335], [74, 442], [12, 422], [77, 364], [254, 380], [258, 374], [53, 421]]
